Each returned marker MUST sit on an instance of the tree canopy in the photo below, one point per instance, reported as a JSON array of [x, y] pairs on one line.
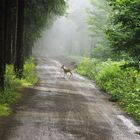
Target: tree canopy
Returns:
[[115, 24], [22, 23], [40, 14], [98, 22], [124, 34]]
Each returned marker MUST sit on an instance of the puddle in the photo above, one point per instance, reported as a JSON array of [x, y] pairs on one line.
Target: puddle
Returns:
[[129, 123]]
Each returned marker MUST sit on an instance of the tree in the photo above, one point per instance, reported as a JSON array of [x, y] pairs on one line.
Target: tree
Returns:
[[2, 43], [14, 14], [124, 34], [39, 14], [13, 41], [19, 59], [98, 21]]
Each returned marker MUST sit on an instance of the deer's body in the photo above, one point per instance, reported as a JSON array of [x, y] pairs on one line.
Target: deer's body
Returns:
[[66, 71]]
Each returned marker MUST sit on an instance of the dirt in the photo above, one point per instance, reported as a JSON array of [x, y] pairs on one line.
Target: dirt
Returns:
[[59, 108]]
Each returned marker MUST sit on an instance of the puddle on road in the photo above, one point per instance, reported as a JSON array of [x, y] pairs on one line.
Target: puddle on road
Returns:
[[129, 123], [55, 90], [45, 67], [58, 64]]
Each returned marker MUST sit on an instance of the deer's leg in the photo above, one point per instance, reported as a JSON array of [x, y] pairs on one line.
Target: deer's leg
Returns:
[[64, 74], [71, 75]]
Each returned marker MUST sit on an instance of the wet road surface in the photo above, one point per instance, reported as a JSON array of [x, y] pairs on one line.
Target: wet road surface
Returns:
[[67, 109]]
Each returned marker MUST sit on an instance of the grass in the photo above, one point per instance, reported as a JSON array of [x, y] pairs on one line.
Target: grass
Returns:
[[12, 84], [4, 110]]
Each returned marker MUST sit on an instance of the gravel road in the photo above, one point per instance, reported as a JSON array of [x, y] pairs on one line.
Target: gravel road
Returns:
[[60, 108]]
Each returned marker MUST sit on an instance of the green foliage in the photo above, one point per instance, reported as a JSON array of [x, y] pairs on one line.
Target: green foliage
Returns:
[[12, 84], [29, 72], [88, 67], [98, 21], [101, 52], [115, 25], [7, 97], [4, 110], [106, 74], [40, 14], [98, 18], [125, 30], [10, 78], [76, 59], [122, 85]]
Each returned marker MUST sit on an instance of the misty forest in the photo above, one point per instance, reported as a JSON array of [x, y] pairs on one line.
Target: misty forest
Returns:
[[70, 69]]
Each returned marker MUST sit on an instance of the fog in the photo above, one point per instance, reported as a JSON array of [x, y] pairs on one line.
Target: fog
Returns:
[[69, 34]]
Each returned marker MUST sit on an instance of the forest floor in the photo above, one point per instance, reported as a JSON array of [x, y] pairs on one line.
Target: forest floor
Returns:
[[59, 108]]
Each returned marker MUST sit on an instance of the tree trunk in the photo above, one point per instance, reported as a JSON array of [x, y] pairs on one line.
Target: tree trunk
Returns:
[[9, 40], [14, 29], [27, 51], [8, 31], [2, 43], [19, 59]]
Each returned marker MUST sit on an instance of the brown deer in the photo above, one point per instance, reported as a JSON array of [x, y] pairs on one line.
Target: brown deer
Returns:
[[66, 70]]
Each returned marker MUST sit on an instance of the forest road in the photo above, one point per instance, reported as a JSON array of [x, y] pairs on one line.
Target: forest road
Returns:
[[67, 109]]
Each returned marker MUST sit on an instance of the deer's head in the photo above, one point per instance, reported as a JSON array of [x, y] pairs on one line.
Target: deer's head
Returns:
[[62, 66]]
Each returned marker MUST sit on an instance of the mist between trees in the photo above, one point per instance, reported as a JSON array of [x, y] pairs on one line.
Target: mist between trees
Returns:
[[99, 29], [21, 24], [68, 34], [75, 27]]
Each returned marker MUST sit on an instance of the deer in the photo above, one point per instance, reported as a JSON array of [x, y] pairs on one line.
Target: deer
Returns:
[[66, 71]]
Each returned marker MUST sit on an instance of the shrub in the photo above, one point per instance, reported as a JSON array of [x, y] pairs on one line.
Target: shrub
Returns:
[[4, 110], [29, 72], [107, 73], [12, 83], [122, 85], [88, 67]]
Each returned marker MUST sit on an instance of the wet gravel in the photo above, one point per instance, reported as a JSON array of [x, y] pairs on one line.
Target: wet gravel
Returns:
[[59, 108]]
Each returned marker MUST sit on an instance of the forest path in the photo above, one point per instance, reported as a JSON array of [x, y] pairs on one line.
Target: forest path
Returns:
[[67, 109]]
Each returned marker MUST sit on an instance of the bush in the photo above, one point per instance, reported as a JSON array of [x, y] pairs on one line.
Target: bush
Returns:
[[122, 85], [12, 83], [107, 72], [4, 110], [29, 72], [88, 67]]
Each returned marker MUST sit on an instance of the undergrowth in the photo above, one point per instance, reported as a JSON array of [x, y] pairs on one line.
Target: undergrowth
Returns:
[[12, 84], [123, 85]]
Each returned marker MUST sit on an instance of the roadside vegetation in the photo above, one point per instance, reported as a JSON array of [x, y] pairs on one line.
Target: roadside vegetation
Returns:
[[123, 85], [13, 84], [114, 62], [22, 23]]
